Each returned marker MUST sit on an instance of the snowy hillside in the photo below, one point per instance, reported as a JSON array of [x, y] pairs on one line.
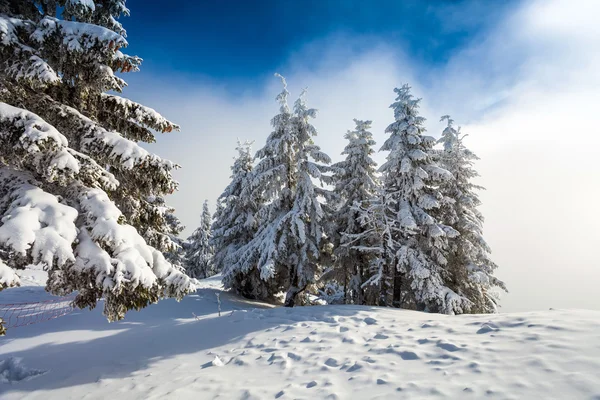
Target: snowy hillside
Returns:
[[254, 351]]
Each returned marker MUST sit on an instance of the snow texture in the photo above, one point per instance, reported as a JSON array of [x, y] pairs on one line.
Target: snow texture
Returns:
[[12, 370], [321, 352]]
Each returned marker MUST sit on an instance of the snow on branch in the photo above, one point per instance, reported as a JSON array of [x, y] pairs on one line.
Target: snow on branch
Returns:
[[96, 140], [119, 259], [35, 223], [21, 62], [142, 115], [8, 276], [37, 141], [78, 36]]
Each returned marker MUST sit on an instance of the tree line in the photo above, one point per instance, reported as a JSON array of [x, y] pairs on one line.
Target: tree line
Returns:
[[293, 226]]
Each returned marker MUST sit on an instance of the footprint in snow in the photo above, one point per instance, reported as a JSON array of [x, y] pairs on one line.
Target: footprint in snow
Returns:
[[12, 370], [354, 367], [370, 321], [408, 355], [448, 346], [485, 328], [332, 362]]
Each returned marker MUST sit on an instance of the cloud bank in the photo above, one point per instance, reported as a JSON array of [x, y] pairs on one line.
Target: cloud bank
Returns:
[[525, 91]]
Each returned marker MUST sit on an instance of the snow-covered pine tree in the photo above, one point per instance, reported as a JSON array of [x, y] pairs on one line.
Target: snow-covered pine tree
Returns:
[[376, 242], [234, 223], [76, 189], [169, 242], [355, 182], [410, 180], [469, 264], [199, 249], [287, 246], [234, 226]]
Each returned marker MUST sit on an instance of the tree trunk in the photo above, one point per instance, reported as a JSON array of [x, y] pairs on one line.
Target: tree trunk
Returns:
[[292, 293], [360, 277], [383, 286], [397, 291], [345, 283]]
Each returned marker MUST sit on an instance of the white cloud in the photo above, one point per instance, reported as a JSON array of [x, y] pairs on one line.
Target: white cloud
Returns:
[[526, 91]]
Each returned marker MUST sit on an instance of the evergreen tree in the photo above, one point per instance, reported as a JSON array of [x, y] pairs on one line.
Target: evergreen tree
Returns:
[[199, 249], [355, 183], [376, 242], [169, 241], [410, 180], [287, 246], [76, 189], [469, 264], [235, 225]]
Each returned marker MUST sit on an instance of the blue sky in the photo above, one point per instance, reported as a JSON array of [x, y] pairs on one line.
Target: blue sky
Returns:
[[232, 41]]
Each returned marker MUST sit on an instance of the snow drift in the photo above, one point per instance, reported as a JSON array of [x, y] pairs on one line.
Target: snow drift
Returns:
[[254, 351]]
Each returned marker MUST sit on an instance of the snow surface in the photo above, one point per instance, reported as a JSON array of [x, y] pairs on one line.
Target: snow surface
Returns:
[[254, 351]]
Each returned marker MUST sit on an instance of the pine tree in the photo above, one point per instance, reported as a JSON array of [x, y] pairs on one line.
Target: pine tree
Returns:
[[76, 189], [469, 264], [235, 225], [287, 246], [410, 180], [356, 183], [376, 242], [199, 250], [169, 241]]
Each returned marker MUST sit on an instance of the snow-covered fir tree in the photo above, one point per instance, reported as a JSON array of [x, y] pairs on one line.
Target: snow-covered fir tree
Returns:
[[287, 246], [469, 264], [169, 241], [355, 183], [235, 225], [199, 249], [76, 190], [410, 180], [376, 242]]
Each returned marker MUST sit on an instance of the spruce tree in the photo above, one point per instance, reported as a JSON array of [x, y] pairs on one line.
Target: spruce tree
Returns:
[[355, 183], [287, 246], [199, 249], [410, 180], [376, 242], [76, 190], [234, 226], [469, 264], [169, 241]]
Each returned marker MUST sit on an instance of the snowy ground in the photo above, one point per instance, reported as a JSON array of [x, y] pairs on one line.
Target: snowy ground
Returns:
[[254, 351]]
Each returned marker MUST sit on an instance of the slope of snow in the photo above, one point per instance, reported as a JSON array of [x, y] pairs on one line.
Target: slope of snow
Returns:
[[254, 351]]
